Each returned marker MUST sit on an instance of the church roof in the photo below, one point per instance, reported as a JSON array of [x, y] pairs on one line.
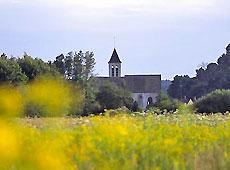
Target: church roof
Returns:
[[115, 58], [136, 83]]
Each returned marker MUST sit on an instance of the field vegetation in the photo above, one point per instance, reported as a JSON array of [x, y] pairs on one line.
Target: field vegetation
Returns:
[[116, 139], [42, 124]]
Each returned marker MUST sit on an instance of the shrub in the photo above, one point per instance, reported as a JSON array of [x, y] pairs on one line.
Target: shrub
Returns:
[[51, 97], [186, 109], [214, 102], [164, 102]]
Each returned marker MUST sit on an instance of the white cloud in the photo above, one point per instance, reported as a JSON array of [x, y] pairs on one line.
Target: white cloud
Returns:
[[105, 14], [162, 5]]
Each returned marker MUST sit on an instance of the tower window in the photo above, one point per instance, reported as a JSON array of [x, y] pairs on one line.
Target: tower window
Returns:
[[113, 71], [117, 71]]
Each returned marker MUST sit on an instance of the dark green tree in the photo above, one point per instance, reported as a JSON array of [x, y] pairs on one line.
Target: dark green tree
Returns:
[[10, 71], [214, 76], [33, 67], [111, 96], [69, 66], [91, 105], [89, 64], [59, 63], [78, 63], [214, 102]]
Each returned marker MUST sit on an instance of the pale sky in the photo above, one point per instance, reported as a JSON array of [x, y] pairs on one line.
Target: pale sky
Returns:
[[165, 37]]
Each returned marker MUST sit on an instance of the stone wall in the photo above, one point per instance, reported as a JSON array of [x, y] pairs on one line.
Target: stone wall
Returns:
[[142, 98]]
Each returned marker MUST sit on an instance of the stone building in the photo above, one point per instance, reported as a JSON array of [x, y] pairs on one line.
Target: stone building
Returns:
[[144, 88]]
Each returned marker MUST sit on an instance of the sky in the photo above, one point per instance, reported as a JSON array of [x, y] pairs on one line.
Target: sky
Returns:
[[167, 37]]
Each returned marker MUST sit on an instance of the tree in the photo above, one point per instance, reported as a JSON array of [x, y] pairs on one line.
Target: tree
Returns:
[[164, 102], [69, 66], [91, 105], [34, 67], [214, 76], [10, 71], [111, 96], [89, 64], [165, 86], [181, 87], [78, 66], [214, 102], [60, 64]]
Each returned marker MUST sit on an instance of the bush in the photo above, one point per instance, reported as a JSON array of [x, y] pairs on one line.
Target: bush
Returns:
[[164, 102], [214, 102], [51, 97]]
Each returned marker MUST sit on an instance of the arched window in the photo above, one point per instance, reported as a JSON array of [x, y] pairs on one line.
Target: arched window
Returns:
[[150, 101], [117, 71], [113, 71]]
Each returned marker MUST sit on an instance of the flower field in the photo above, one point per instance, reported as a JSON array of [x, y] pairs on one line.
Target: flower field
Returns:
[[118, 142]]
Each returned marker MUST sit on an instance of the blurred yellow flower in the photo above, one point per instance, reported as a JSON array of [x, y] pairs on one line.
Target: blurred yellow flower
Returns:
[[10, 101]]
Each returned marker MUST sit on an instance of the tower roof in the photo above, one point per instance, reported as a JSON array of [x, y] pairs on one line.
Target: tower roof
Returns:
[[228, 48], [115, 58]]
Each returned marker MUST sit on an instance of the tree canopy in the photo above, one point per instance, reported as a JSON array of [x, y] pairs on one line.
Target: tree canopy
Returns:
[[214, 76]]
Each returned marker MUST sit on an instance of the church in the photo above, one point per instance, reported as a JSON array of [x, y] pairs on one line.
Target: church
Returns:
[[144, 88]]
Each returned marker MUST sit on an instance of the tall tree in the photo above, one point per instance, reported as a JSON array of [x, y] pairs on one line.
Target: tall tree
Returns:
[[69, 66], [89, 64], [59, 63], [78, 62]]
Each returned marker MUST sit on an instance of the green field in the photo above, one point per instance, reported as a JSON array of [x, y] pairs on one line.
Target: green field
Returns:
[[117, 142]]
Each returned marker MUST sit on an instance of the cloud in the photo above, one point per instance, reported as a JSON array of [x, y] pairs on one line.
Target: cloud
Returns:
[[103, 14], [144, 5]]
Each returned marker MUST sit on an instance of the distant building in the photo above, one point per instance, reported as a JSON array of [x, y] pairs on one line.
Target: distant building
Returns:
[[144, 88]]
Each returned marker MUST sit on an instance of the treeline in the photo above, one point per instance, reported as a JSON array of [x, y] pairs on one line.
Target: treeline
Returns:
[[76, 68], [213, 76], [21, 70]]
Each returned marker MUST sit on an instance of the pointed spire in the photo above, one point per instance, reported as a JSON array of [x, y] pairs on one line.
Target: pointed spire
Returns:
[[115, 58], [228, 49]]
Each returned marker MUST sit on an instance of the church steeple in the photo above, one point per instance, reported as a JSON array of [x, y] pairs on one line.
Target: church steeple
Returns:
[[115, 58], [114, 65], [228, 49]]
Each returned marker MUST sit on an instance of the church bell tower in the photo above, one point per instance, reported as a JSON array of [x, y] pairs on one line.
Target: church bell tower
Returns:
[[114, 65]]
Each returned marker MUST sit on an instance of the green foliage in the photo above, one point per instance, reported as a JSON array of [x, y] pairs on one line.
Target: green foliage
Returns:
[[60, 64], [111, 96], [215, 76], [164, 102], [34, 67], [69, 66], [89, 64], [135, 107], [181, 87], [165, 86], [91, 105], [77, 66], [10, 71], [214, 102], [186, 109]]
